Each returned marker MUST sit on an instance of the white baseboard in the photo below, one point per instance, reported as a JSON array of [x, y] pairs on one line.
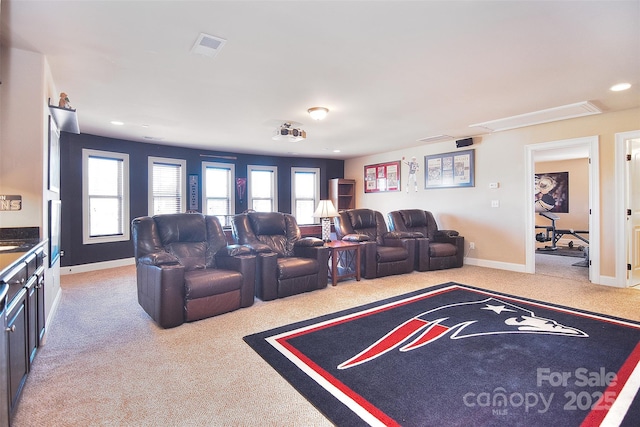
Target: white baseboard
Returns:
[[519, 268], [83, 268]]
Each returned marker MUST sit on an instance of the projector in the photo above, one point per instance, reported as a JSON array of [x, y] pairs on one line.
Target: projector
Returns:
[[286, 133]]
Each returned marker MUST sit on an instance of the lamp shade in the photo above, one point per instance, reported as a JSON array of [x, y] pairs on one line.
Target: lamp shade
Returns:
[[325, 209]]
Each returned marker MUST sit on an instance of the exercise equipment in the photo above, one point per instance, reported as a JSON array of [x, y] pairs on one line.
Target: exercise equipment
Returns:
[[553, 234]]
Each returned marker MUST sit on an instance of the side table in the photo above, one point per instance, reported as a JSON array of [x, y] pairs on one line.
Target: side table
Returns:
[[344, 260]]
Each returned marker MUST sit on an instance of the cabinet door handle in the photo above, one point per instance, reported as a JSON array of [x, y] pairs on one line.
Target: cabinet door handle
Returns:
[[11, 329]]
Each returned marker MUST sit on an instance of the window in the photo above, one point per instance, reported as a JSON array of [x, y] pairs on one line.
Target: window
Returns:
[[305, 194], [167, 183], [263, 194], [105, 197], [218, 191]]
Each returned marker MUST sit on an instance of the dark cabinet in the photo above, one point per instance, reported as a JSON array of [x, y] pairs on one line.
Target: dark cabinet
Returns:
[[18, 361], [24, 319]]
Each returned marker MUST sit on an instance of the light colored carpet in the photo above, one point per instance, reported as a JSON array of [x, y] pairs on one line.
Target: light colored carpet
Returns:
[[104, 362]]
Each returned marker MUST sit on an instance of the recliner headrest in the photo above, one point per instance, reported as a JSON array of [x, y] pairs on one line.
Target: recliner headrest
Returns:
[[414, 218], [183, 227], [267, 223], [362, 218]]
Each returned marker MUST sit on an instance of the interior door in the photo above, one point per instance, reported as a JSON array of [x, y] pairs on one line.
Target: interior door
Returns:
[[633, 213]]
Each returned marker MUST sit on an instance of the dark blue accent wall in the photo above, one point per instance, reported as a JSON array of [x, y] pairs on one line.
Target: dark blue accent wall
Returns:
[[71, 145]]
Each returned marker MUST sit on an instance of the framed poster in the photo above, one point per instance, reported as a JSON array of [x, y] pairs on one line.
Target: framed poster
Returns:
[[455, 169], [552, 192], [193, 192], [382, 177], [54, 156]]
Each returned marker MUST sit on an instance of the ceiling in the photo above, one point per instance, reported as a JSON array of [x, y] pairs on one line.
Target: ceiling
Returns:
[[390, 72]]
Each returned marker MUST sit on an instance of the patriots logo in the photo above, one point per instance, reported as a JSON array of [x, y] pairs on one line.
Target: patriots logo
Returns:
[[489, 316]]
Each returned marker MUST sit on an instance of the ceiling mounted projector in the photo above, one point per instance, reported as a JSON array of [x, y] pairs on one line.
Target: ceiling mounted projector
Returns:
[[286, 133]]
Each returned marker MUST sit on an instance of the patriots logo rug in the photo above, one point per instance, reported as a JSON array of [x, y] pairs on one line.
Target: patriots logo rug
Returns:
[[456, 355]]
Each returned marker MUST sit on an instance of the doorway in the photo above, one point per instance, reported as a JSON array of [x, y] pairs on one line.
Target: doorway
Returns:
[[572, 148], [627, 157]]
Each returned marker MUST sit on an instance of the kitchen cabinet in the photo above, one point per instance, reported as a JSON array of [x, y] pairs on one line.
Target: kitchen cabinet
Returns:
[[25, 317]]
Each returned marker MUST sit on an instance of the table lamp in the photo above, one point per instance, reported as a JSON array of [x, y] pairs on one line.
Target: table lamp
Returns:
[[325, 211]]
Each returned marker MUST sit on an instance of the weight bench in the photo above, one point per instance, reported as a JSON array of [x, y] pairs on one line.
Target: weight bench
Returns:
[[554, 234]]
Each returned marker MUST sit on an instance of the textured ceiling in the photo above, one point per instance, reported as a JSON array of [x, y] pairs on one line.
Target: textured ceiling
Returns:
[[390, 72]]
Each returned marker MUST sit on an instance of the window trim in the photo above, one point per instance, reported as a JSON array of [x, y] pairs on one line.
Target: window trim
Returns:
[[316, 172], [87, 239], [232, 194], [183, 171], [274, 184]]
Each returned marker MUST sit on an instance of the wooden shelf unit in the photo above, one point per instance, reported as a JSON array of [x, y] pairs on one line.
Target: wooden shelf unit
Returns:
[[342, 192]]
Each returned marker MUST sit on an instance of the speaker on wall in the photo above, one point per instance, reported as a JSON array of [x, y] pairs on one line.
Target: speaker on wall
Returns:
[[464, 142]]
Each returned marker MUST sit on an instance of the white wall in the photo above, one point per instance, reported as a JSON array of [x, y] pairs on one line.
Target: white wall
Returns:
[[499, 233]]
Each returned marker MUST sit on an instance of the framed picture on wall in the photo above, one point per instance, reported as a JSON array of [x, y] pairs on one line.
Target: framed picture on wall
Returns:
[[552, 192], [455, 169], [382, 177], [54, 156]]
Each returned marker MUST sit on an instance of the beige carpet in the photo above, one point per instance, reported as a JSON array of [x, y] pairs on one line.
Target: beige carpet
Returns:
[[105, 363]]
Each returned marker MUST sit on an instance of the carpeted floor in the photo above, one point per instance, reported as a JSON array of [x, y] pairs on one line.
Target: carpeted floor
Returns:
[[104, 363]]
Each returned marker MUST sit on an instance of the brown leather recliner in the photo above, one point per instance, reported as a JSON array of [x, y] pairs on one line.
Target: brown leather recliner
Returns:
[[287, 264], [435, 249], [382, 253], [186, 271]]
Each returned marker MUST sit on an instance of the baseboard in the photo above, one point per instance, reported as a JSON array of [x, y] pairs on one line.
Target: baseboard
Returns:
[[518, 268], [83, 268]]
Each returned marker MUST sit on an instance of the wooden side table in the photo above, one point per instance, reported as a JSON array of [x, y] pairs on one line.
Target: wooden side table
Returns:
[[344, 260]]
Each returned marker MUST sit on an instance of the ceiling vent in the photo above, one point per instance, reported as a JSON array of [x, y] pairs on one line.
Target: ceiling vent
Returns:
[[570, 111], [436, 138], [208, 45]]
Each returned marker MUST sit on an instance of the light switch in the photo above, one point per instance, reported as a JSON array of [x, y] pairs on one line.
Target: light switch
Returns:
[[495, 203], [494, 185]]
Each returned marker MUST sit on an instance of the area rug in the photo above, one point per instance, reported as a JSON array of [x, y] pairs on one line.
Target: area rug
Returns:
[[457, 355]]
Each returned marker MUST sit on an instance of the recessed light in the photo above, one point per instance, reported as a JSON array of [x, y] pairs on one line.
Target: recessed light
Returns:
[[336, 151], [620, 87], [117, 123]]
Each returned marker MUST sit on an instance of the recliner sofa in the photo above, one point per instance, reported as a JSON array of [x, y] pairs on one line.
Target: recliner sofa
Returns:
[[383, 253], [287, 264], [186, 271], [435, 249]]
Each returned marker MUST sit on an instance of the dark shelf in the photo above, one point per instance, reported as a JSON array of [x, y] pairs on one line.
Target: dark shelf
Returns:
[[66, 119]]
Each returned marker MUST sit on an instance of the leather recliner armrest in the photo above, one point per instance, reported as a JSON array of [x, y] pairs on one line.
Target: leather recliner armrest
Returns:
[[356, 238], [308, 241], [158, 259]]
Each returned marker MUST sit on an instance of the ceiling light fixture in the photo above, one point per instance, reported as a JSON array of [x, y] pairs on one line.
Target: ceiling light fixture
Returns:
[[117, 123], [620, 87], [318, 113]]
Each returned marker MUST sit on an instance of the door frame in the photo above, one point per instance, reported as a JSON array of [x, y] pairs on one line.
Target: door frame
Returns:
[[591, 143], [622, 237]]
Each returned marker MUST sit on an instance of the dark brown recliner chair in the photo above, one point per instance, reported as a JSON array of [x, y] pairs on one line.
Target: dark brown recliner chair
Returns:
[[286, 263], [186, 271], [382, 253], [435, 249]]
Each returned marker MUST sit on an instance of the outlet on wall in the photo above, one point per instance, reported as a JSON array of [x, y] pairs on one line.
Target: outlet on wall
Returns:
[[472, 245]]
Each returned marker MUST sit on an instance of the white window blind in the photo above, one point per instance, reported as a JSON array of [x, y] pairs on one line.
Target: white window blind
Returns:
[[167, 184], [218, 191], [262, 188], [305, 194]]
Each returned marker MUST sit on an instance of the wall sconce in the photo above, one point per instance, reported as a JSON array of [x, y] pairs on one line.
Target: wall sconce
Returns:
[[325, 211]]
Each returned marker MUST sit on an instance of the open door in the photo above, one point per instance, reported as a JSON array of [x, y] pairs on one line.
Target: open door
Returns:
[[628, 180]]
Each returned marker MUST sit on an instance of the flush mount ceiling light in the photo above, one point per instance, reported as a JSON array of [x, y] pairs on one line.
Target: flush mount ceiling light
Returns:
[[620, 87], [318, 113], [570, 111]]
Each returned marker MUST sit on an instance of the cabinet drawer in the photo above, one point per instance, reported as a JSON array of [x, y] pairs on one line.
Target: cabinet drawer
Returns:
[[16, 280]]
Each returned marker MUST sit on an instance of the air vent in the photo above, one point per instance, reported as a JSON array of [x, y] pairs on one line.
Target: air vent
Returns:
[[208, 45], [436, 138], [564, 112]]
